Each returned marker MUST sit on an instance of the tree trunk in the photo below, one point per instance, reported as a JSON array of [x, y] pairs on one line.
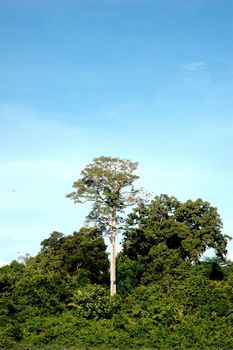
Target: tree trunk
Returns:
[[113, 254]]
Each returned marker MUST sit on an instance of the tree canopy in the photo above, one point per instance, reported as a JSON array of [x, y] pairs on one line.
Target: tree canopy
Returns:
[[82, 254], [108, 183], [166, 233]]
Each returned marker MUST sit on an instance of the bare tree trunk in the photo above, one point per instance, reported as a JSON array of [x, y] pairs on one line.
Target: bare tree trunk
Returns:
[[113, 254]]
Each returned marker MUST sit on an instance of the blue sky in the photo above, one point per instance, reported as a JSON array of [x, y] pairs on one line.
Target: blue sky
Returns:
[[151, 81]]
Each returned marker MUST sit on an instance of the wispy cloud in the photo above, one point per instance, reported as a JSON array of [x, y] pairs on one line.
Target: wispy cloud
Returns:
[[230, 255], [195, 75], [3, 263], [195, 66], [33, 203]]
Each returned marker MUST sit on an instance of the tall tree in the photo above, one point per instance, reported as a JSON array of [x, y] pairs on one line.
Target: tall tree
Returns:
[[108, 183]]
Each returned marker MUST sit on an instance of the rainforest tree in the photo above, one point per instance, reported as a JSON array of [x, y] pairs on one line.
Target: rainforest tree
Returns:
[[108, 184], [166, 234], [82, 254]]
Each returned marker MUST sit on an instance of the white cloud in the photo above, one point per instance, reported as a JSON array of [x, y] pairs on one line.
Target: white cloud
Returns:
[[230, 255], [33, 203], [3, 263], [195, 75], [195, 66]]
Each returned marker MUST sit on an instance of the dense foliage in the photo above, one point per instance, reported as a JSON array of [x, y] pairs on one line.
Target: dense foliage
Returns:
[[169, 296], [167, 234]]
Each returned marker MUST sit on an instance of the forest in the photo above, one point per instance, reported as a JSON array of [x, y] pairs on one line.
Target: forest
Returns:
[[169, 294]]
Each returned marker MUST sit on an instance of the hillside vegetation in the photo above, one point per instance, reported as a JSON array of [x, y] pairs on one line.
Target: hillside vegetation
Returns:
[[168, 296]]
